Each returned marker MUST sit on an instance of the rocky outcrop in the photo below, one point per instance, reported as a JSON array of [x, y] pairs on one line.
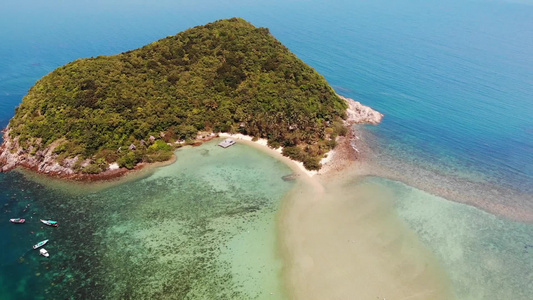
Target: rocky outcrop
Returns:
[[350, 148], [43, 161], [359, 113]]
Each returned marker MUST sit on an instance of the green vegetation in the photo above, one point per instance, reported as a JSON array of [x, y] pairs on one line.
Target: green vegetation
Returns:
[[226, 76]]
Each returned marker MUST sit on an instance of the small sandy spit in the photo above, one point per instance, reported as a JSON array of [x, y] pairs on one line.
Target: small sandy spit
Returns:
[[340, 238]]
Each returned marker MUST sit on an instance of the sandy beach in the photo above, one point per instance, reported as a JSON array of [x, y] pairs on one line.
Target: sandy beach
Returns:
[[262, 144]]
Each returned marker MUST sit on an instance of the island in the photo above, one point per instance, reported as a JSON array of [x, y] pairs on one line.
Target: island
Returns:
[[105, 113]]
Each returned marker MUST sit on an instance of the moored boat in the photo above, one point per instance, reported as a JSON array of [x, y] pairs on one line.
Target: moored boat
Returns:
[[43, 252], [40, 244], [17, 220], [50, 223]]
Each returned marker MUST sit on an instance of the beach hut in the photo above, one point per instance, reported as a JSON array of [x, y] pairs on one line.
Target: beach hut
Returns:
[[226, 143]]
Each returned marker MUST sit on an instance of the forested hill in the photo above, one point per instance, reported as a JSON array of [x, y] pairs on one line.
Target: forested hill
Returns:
[[226, 76]]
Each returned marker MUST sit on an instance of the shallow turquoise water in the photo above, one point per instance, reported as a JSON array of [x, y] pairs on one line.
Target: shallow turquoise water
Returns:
[[171, 235], [485, 256]]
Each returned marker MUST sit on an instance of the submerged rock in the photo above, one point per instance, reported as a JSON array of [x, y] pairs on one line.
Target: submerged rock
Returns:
[[290, 177]]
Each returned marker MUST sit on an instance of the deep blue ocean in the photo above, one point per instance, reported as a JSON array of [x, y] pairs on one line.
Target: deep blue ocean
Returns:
[[453, 78]]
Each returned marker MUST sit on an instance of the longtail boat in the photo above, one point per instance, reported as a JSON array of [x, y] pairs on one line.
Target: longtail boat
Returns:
[[40, 244], [50, 223]]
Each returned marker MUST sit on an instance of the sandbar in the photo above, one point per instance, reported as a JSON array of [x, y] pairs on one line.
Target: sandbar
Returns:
[[340, 238]]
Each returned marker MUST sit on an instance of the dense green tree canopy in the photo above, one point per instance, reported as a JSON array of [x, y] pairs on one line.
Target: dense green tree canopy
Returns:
[[226, 76]]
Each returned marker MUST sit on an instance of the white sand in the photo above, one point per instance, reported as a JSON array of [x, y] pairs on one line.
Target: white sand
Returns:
[[114, 166], [275, 152]]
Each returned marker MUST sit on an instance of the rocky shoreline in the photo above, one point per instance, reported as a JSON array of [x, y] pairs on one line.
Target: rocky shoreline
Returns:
[[43, 161], [349, 148], [358, 113]]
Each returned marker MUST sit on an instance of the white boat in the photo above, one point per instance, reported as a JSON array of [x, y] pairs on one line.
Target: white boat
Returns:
[[43, 252], [50, 223], [40, 244], [17, 220], [226, 143]]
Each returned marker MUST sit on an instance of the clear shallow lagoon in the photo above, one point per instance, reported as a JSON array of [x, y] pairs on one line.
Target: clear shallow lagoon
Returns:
[[203, 228], [453, 79]]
